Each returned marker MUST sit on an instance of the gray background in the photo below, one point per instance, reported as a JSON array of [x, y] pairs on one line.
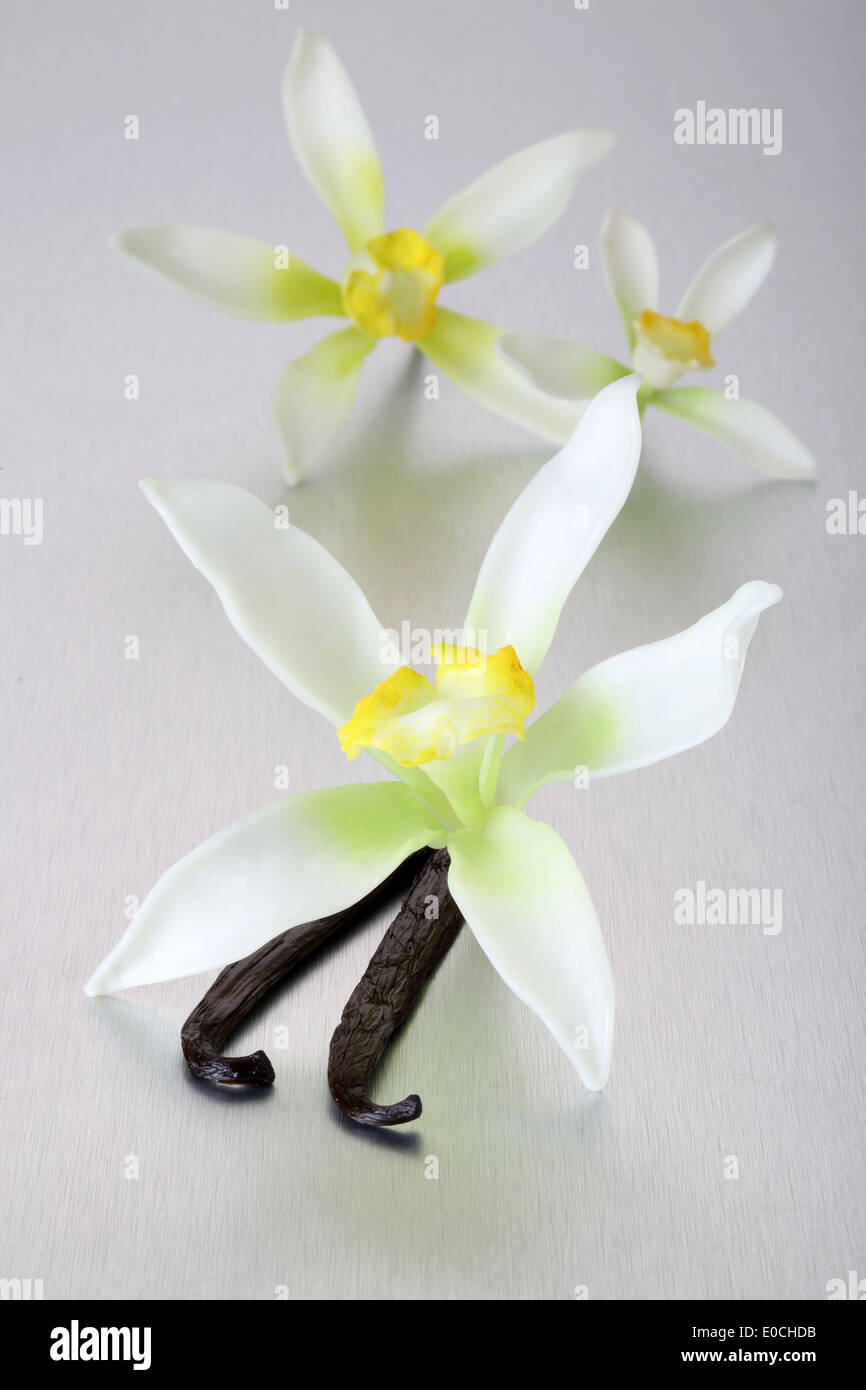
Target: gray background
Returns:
[[729, 1042]]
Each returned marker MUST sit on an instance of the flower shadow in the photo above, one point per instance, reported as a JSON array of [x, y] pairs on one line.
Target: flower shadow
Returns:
[[397, 508]]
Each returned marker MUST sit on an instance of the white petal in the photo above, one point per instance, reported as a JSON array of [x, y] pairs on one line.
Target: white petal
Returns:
[[304, 857], [528, 906], [642, 705], [315, 393], [631, 267], [746, 428], [514, 202], [726, 282], [560, 367], [238, 274], [554, 527], [331, 138], [466, 350], [289, 599]]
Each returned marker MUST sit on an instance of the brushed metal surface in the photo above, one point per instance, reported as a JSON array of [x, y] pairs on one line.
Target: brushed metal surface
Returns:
[[729, 1041]]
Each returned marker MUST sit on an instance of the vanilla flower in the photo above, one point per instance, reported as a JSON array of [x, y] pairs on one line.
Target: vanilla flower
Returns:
[[665, 349], [391, 282], [512, 877]]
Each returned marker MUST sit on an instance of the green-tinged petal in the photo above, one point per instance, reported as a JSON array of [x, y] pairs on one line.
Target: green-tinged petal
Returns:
[[560, 367], [239, 274], [746, 428], [514, 202], [331, 138], [555, 526], [466, 350], [642, 705], [726, 282], [304, 857], [315, 393], [631, 267], [528, 907], [289, 599]]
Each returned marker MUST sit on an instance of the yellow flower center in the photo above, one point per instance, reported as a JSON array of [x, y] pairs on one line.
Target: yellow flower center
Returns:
[[417, 721], [687, 344], [391, 286]]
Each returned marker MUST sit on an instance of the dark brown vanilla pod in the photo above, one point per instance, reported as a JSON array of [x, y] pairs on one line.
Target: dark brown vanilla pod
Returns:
[[410, 950], [241, 985]]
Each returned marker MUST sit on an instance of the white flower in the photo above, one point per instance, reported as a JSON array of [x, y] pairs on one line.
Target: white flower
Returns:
[[664, 349], [512, 877], [391, 282]]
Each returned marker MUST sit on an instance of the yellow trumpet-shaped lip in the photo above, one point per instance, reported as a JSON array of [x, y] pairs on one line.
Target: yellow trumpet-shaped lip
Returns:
[[687, 344], [393, 288], [416, 721]]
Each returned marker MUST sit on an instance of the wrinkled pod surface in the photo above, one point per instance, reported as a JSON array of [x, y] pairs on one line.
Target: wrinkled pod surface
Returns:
[[241, 985], [420, 935]]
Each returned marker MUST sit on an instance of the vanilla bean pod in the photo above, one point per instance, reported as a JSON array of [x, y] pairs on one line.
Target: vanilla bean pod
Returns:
[[410, 949], [241, 985]]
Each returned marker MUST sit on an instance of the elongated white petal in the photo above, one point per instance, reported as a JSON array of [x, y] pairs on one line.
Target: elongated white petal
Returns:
[[289, 599], [560, 367], [514, 202], [331, 138], [726, 282], [554, 527], [748, 429], [528, 906], [301, 858], [631, 267], [239, 274], [466, 350], [642, 705], [315, 393]]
